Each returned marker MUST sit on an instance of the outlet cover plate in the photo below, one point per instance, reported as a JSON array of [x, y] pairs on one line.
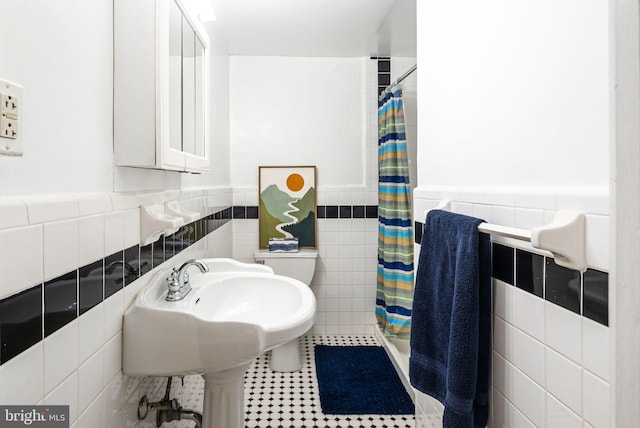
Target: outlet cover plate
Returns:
[[11, 118]]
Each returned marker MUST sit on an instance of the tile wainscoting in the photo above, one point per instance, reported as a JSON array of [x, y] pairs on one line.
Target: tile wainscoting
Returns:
[[73, 264], [61, 300], [550, 349], [550, 344], [61, 322]]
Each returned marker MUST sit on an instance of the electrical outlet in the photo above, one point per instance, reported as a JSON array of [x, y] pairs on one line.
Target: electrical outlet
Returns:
[[8, 106], [11, 118], [8, 127]]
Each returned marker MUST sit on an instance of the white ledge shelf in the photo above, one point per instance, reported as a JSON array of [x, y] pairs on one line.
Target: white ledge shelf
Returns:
[[174, 209], [154, 221]]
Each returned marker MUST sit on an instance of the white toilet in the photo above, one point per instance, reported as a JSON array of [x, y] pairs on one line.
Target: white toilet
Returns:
[[300, 266]]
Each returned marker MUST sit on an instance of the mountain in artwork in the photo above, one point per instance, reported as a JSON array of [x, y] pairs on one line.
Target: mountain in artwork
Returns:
[[276, 202]]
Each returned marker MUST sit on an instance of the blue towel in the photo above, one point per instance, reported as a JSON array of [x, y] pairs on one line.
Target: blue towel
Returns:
[[451, 319]]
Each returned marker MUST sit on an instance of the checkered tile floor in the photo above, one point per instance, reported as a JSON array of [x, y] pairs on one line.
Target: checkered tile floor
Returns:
[[286, 400]]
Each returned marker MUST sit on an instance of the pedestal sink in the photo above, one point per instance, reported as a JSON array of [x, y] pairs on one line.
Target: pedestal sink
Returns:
[[234, 313]]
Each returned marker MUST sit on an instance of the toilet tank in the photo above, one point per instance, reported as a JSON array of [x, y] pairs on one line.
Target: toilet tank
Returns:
[[300, 265]]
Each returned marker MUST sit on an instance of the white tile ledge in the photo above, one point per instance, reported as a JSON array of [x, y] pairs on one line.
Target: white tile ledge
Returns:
[[93, 203], [48, 208], [591, 200], [14, 213], [222, 190], [23, 210]]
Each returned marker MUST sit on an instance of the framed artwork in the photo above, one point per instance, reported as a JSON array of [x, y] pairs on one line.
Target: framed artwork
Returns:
[[287, 204]]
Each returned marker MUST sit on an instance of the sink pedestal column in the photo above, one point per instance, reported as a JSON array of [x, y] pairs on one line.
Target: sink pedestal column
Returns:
[[224, 398]]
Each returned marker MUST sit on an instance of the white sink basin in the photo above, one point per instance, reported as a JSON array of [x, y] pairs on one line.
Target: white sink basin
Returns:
[[235, 312], [271, 301]]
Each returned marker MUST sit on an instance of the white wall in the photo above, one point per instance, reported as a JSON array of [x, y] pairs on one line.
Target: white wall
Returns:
[[513, 93], [298, 111], [62, 54]]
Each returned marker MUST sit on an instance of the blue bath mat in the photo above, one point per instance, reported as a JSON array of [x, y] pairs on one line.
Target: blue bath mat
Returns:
[[356, 380]]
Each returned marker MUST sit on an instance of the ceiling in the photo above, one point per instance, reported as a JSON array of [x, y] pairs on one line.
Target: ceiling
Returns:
[[316, 28]]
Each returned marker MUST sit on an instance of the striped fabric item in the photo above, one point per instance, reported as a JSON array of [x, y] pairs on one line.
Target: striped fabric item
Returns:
[[394, 294]]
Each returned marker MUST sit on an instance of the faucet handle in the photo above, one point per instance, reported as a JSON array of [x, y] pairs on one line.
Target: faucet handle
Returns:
[[173, 280]]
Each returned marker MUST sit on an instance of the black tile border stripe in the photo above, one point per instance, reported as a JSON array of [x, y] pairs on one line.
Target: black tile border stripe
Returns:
[[530, 272], [417, 232], [595, 296], [322, 212], [584, 294], [239, 212], [502, 263], [60, 302], [113, 273], [349, 211], [331, 211], [77, 296], [383, 73], [21, 322], [90, 285], [563, 286]]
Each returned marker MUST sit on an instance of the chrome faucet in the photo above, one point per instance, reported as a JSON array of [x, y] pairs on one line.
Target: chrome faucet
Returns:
[[178, 282]]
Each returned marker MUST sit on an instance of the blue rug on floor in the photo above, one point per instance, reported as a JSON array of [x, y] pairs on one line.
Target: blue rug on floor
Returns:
[[359, 380]]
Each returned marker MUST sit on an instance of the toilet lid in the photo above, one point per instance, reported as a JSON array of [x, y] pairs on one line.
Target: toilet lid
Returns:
[[303, 253]]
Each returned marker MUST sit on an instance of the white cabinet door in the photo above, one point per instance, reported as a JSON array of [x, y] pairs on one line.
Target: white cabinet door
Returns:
[[160, 59]]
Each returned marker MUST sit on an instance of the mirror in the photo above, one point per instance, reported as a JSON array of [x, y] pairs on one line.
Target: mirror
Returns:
[[188, 88], [186, 75], [200, 89], [175, 76]]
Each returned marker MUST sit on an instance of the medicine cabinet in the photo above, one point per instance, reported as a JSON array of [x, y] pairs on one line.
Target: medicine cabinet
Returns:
[[160, 84]]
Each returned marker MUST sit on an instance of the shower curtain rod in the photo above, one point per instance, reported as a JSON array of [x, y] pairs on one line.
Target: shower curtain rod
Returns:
[[405, 75], [401, 78]]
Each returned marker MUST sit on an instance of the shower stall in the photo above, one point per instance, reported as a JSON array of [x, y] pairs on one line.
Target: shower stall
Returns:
[[403, 69]]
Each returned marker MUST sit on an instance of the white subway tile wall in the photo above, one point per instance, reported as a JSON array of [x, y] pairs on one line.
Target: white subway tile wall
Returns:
[[66, 392], [90, 239], [60, 248], [28, 365], [596, 400], [550, 365], [80, 362], [91, 379], [21, 250], [60, 355], [595, 346]]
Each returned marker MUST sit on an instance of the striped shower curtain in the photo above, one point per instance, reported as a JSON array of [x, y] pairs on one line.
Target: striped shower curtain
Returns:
[[394, 294]]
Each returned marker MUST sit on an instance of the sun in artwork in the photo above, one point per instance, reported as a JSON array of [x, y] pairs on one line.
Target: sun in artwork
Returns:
[[295, 182]]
